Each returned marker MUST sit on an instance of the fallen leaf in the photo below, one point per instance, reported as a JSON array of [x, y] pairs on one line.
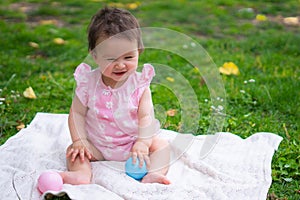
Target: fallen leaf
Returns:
[[29, 93], [48, 22], [261, 17], [292, 21], [20, 126], [117, 5], [170, 79], [229, 68], [132, 6], [171, 112], [59, 41], [196, 70], [34, 45]]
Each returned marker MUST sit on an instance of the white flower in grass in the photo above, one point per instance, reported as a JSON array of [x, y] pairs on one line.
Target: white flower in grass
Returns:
[[242, 91], [217, 109], [220, 108], [251, 81]]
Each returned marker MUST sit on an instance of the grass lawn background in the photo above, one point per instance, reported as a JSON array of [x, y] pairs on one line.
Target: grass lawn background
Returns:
[[265, 51]]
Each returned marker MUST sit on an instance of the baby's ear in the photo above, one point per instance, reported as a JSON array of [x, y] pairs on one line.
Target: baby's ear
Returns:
[[93, 54], [141, 50]]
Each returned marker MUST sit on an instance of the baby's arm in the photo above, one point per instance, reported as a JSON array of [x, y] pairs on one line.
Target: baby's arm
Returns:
[[78, 133], [146, 128]]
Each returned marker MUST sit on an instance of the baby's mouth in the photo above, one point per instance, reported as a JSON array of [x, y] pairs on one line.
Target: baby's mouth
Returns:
[[119, 73]]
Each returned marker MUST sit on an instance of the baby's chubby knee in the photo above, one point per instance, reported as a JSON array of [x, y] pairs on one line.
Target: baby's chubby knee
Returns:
[[159, 144], [76, 177], [81, 180]]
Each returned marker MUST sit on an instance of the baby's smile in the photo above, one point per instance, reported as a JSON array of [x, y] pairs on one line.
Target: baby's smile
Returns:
[[121, 73]]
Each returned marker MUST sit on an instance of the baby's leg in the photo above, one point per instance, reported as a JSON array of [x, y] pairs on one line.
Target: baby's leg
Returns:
[[159, 162], [79, 172]]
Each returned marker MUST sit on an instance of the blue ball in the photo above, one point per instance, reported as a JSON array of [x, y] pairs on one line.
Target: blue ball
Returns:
[[134, 170]]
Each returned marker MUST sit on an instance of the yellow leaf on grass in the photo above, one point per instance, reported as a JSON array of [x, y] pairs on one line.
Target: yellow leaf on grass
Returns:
[[34, 45], [229, 68], [116, 5], [171, 112], [261, 17], [291, 21], [195, 69], [170, 79], [48, 22], [132, 6], [20, 126], [59, 41], [29, 93]]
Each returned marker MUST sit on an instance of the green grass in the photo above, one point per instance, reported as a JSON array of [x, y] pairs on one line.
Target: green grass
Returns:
[[267, 52]]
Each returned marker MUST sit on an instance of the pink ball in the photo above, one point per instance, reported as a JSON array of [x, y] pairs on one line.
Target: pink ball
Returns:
[[50, 181]]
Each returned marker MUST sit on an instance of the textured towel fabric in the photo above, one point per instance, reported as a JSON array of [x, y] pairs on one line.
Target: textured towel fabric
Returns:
[[218, 167]]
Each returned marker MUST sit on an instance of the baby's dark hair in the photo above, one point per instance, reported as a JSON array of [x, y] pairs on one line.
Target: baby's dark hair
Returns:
[[109, 22]]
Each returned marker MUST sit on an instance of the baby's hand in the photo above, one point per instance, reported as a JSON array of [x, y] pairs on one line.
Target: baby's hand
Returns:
[[141, 151], [78, 148]]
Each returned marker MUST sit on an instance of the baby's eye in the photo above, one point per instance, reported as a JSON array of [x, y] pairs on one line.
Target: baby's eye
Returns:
[[110, 59], [128, 57]]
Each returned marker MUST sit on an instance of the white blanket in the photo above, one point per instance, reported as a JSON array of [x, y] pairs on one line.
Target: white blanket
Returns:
[[234, 168]]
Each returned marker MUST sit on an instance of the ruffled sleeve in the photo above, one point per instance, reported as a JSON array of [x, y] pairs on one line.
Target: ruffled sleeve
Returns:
[[143, 82], [81, 78], [147, 75]]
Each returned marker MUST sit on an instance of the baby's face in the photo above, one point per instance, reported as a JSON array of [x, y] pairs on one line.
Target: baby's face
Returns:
[[117, 58]]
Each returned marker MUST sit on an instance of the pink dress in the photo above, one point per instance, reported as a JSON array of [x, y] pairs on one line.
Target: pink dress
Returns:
[[111, 119]]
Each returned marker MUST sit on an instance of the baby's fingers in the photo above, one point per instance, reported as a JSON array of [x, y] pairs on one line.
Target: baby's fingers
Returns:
[[88, 154], [141, 160], [81, 154], [74, 155], [147, 160], [69, 152], [134, 157]]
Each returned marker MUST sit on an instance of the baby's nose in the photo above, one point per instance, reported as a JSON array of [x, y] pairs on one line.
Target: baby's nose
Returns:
[[120, 65]]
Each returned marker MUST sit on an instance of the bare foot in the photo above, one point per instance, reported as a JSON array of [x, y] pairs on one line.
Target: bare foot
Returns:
[[75, 177], [156, 178]]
